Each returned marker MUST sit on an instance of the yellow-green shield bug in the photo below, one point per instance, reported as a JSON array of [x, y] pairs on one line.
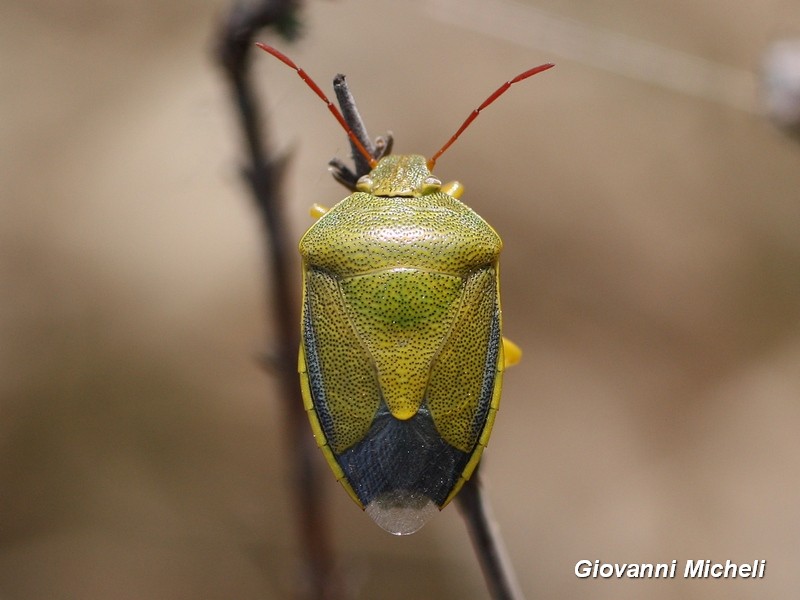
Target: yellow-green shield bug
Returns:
[[401, 358]]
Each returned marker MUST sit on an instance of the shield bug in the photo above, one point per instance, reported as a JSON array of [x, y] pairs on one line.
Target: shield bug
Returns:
[[401, 355]]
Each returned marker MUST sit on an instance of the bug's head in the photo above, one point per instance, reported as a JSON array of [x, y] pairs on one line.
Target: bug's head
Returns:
[[399, 175]]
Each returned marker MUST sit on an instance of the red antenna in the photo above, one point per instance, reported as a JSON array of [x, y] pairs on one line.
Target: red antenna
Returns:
[[313, 85], [474, 114]]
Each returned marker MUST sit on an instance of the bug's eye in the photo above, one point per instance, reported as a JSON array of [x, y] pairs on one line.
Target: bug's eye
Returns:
[[429, 185], [365, 184]]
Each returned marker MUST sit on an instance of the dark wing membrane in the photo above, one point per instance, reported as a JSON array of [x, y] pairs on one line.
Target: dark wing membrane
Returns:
[[407, 461]]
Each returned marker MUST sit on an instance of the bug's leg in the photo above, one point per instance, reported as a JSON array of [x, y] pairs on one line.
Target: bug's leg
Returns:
[[343, 174], [453, 188], [512, 353], [383, 145], [346, 176], [317, 210]]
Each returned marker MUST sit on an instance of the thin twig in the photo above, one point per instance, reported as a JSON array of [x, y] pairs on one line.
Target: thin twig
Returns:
[[381, 146], [487, 542], [263, 174], [353, 118]]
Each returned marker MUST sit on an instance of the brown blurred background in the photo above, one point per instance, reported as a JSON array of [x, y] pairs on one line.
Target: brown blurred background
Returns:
[[651, 275]]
